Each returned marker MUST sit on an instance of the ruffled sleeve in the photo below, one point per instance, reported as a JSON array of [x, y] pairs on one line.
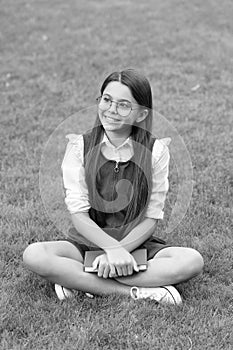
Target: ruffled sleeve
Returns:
[[76, 192], [160, 185]]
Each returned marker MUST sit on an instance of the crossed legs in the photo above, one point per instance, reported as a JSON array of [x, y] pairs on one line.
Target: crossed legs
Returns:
[[60, 262]]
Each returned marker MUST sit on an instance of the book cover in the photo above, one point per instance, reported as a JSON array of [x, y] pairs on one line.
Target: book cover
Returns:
[[140, 255]]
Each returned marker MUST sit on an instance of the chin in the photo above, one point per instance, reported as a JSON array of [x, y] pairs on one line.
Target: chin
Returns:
[[111, 127]]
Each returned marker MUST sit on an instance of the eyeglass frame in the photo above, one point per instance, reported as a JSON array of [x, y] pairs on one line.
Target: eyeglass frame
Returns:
[[98, 99]]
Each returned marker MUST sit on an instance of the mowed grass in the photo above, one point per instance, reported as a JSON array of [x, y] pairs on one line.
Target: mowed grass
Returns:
[[54, 56]]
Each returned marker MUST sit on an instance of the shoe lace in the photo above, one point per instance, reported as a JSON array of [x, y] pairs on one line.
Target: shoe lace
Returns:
[[158, 294]]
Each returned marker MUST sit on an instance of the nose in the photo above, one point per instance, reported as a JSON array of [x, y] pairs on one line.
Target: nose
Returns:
[[113, 107]]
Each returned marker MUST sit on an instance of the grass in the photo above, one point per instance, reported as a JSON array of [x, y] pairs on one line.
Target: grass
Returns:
[[53, 58]]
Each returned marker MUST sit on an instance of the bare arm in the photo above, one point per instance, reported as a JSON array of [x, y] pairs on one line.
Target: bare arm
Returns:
[[139, 234], [90, 230], [119, 260]]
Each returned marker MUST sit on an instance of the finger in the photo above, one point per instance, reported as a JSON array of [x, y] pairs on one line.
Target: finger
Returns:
[[130, 269], [112, 271], [124, 270], [95, 263], [106, 272], [135, 266], [101, 270], [119, 270]]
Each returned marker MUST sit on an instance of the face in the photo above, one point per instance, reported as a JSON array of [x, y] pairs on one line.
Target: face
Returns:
[[110, 119]]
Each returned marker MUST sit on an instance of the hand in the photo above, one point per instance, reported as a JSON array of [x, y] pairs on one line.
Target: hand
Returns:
[[123, 262], [105, 270]]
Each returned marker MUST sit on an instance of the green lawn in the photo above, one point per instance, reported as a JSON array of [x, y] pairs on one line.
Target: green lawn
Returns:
[[53, 58]]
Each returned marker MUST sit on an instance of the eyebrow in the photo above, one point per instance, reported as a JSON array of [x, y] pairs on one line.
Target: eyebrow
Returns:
[[120, 100]]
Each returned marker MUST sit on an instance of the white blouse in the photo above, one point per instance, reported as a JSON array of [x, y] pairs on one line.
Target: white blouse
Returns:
[[74, 174]]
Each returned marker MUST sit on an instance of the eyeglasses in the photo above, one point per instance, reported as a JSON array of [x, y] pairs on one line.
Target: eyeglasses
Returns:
[[123, 108]]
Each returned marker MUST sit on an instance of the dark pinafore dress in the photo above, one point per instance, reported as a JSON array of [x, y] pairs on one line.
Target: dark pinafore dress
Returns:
[[114, 197]]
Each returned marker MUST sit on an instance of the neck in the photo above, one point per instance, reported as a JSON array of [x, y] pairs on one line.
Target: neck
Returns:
[[117, 138]]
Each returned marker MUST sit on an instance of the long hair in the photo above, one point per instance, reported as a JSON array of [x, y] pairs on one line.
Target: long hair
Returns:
[[141, 137]]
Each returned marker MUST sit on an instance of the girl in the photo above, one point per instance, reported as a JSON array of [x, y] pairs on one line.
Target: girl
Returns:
[[115, 179]]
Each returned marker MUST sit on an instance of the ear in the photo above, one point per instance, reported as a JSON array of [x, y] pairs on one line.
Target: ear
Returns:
[[142, 115]]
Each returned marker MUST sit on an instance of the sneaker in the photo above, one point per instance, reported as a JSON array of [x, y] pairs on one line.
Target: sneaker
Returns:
[[62, 292], [163, 295]]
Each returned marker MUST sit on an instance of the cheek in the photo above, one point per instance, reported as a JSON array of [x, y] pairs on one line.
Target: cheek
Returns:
[[100, 113], [131, 120]]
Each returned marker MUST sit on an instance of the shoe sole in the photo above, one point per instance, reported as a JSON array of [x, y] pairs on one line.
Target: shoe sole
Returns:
[[174, 294], [62, 292]]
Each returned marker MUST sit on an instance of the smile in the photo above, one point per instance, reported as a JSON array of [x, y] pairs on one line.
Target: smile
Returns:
[[110, 119]]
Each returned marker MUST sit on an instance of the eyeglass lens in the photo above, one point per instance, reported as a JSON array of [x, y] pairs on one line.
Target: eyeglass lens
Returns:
[[123, 108]]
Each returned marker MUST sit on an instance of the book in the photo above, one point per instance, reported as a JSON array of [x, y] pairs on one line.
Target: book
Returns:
[[140, 256]]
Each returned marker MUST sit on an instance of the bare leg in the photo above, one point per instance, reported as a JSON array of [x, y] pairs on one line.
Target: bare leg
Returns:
[[60, 262], [171, 265]]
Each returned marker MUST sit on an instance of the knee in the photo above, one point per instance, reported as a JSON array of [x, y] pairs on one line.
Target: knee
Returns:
[[35, 259], [194, 263]]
